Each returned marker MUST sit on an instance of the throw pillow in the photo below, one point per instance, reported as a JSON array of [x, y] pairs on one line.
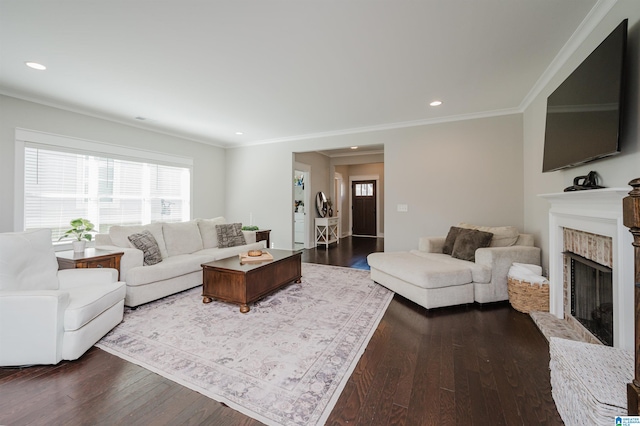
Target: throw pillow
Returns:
[[230, 235], [468, 241], [147, 243], [450, 240], [503, 236]]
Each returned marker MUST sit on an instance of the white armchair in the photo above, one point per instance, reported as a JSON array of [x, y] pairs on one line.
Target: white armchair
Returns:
[[48, 315], [433, 279]]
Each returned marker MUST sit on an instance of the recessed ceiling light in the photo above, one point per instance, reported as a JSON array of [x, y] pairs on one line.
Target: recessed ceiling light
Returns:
[[35, 66], [436, 103], [354, 147], [239, 133]]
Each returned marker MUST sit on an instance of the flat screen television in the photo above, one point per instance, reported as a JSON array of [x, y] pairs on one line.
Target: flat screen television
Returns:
[[584, 114]]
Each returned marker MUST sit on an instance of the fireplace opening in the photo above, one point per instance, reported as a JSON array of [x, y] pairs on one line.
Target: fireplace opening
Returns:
[[592, 296]]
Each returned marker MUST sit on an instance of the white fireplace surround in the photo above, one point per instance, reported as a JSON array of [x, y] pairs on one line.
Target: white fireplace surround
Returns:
[[598, 211]]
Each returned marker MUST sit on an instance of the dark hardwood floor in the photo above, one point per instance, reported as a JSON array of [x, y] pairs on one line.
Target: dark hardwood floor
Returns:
[[352, 252], [462, 365]]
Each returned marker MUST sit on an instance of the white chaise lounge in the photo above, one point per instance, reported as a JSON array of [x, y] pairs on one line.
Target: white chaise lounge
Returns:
[[433, 279]]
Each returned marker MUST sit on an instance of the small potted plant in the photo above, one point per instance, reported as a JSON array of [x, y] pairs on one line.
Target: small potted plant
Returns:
[[80, 233]]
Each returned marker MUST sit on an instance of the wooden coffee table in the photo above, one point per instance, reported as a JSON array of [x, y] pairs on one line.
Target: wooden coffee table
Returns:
[[229, 280]]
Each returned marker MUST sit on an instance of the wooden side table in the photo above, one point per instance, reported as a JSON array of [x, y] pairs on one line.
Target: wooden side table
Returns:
[[90, 258], [262, 235]]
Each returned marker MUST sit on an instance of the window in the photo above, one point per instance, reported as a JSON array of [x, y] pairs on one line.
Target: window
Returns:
[[61, 185], [364, 189]]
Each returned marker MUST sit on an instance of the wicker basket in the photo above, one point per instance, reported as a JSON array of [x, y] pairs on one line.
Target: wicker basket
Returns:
[[527, 297]]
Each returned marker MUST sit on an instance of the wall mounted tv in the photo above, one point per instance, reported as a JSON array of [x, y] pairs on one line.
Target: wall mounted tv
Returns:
[[584, 114]]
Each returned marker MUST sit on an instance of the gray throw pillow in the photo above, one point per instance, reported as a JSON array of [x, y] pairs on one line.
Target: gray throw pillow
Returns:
[[230, 235], [468, 241], [147, 243], [447, 248]]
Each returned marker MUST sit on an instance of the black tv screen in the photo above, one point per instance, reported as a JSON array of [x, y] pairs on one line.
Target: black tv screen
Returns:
[[584, 114]]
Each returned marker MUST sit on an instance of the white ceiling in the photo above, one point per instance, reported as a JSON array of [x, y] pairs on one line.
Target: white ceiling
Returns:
[[281, 70]]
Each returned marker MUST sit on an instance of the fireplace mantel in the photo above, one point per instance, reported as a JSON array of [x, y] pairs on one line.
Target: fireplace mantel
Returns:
[[598, 211]]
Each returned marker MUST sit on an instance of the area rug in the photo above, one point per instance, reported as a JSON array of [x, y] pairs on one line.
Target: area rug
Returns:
[[283, 363]]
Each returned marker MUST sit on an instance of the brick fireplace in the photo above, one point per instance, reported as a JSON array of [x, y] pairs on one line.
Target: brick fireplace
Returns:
[[593, 248], [589, 223]]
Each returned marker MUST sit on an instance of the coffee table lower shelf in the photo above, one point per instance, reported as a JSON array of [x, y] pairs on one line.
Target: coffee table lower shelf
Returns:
[[228, 280]]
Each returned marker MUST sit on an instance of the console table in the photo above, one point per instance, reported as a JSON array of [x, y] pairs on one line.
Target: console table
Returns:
[[327, 230]]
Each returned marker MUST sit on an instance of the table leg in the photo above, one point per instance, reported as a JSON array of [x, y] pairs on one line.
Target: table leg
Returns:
[[244, 308]]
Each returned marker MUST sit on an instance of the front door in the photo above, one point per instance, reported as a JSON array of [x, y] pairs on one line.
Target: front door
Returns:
[[364, 207]]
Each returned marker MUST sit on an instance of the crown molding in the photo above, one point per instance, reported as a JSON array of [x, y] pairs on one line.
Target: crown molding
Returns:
[[350, 154], [383, 127], [12, 94]]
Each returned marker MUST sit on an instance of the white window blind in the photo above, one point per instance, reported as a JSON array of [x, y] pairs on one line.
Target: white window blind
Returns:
[[61, 185]]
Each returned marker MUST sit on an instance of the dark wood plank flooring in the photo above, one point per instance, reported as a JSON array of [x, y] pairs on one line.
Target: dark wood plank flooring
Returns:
[[463, 365]]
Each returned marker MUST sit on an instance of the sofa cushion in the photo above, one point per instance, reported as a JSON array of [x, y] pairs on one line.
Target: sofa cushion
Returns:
[[468, 241], [480, 273], [171, 267], [182, 237], [147, 243], [434, 270], [447, 248], [208, 231], [230, 235], [120, 235], [88, 302], [503, 236]]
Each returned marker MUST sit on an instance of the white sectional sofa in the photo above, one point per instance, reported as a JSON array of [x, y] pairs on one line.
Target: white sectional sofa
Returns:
[[433, 279], [184, 247]]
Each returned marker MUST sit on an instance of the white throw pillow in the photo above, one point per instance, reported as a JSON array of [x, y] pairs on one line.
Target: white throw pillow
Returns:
[[503, 236]]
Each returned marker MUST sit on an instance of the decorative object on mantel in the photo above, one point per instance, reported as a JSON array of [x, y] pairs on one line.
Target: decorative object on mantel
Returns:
[[631, 219], [581, 183], [285, 366], [80, 232]]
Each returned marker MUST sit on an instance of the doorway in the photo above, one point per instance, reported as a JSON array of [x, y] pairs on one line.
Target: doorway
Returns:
[[301, 206], [363, 193]]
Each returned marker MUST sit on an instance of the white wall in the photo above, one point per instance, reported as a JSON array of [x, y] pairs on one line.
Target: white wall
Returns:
[[615, 171], [321, 178], [463, 171], [208, 161], [466, 171]]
